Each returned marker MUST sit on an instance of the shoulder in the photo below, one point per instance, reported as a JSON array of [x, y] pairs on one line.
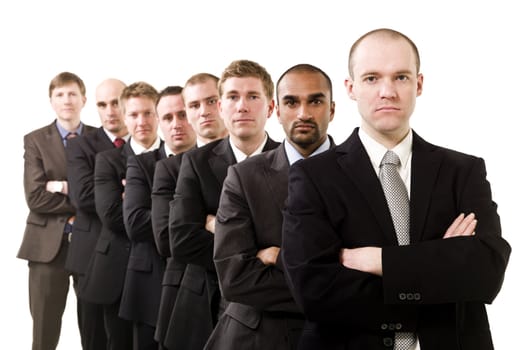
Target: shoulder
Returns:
[[450, 156], [112, 153], [37, 133], [205, 151]]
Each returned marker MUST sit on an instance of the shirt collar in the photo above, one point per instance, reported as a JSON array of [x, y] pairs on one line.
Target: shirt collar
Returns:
[[63, 132], [112, 137], [294, 156], [376, 150], [239, 155], [138, 149]]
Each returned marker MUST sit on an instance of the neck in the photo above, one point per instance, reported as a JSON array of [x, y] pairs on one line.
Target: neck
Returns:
[[387, 139], [177, 150], [70, 125], [121, 133], [248, 145], [145, 145], [307, 150]]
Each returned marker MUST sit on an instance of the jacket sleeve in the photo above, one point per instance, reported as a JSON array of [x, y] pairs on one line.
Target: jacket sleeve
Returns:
[[137, 202], [80, 166], [163, 190], [109, 192], [35, 178], [191, 243], [462, 269], [243, 277]]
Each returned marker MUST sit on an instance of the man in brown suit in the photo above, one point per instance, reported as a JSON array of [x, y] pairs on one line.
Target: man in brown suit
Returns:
[[51, 214]]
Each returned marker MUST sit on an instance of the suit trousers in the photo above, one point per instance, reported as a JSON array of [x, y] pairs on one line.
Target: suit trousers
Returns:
[[48, 289], [91, 324], [144, 337], [119, 332]]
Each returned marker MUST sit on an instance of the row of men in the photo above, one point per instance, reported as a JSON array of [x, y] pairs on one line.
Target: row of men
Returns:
[[186, 241]]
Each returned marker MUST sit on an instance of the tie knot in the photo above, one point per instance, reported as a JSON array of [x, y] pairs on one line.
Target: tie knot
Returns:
[[390, 157], [71, 135], [118, 142]]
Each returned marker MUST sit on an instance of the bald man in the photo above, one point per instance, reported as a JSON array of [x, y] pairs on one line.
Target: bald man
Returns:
[[81, 153]]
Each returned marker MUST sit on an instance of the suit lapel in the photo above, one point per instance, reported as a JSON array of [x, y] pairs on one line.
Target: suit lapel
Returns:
[[426, 161], [222, 157], [355, 162]]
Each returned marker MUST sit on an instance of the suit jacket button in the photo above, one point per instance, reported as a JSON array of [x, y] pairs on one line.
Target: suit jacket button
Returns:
[[417, 296], [398, 326], [387, 342], [402, 296], [410, 296], [384, 326], [391, 327]]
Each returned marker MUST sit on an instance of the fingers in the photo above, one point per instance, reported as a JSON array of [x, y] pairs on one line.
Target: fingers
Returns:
[[453, 227], [462, 226], [465, 225]]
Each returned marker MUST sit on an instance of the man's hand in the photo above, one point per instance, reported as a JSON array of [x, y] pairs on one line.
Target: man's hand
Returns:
[[268, 255], [462, 226], [57, 187], [123, 182], [366, 259], [210, 223]]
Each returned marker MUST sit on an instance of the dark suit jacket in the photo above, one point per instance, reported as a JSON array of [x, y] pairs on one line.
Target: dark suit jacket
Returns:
[[250, 219], [142, 286], [435, 287], [80, 155], [163, 189], [197, 195], [44, 160], [107, 268]]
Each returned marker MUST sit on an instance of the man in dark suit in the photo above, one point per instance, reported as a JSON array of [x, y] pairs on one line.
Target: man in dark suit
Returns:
[[106, 272], [200, 98], [370, 274], [142, 288], [80, 155], [246, 102], [262, 313], [51, 214]]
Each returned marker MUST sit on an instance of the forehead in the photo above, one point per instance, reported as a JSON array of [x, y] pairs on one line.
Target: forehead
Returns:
[[381, 53], [139, 103], [108, 91], [68, 87], [201, 90], [303, 83], [170, 102], [243, 85]]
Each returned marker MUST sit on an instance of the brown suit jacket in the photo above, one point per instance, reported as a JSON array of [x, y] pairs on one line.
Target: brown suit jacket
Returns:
[[44, 160]]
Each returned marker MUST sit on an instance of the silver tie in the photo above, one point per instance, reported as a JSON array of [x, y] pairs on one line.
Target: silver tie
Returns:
[[399, 205]]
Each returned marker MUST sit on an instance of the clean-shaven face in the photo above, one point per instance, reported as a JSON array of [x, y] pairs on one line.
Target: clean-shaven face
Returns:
[[141, 120], [201, 105], [67, 101], [177, 131], [385, 86], [244, 107]]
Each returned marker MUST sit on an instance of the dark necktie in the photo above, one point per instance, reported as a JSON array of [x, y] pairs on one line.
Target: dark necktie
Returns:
[[69, 136], [118, 142], [399, 205]]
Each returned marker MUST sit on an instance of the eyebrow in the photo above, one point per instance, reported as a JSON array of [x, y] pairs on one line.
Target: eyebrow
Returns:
[[309, 97]]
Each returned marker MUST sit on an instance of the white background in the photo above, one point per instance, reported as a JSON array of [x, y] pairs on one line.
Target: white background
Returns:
[[473, 60]]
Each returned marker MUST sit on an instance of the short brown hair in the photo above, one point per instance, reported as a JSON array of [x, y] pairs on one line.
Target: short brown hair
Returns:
[[169, 91], [386, 32], [65, 78], [246, 68], [201, 78], [138, 89]]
